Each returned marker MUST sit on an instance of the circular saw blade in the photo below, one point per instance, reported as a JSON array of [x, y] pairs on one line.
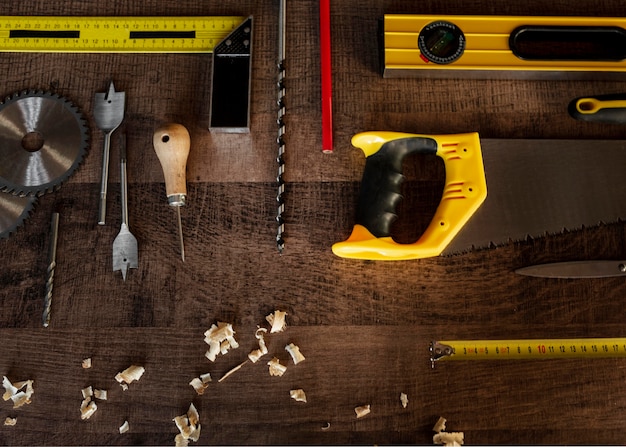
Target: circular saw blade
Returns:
[[13, 211], [43, 139]]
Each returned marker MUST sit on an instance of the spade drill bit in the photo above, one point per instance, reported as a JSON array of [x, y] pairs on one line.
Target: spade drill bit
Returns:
[[52, 263], [171, 144], [125, 252], [108, 111]]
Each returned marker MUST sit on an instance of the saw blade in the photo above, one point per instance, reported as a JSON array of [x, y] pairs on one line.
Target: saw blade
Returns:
[[43, 139], [14, 210], [541, 187]]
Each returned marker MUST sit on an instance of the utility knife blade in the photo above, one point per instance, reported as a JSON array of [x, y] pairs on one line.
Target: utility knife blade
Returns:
[[575, 269]]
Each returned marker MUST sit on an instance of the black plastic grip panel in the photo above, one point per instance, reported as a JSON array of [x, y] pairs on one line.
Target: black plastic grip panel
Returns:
[[382, 181], [608, 115]]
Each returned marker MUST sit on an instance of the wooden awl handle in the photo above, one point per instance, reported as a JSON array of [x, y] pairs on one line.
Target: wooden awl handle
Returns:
[[171, 144]]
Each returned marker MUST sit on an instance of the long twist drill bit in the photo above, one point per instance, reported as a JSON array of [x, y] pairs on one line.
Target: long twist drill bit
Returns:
[[52, 263], [280, 242]]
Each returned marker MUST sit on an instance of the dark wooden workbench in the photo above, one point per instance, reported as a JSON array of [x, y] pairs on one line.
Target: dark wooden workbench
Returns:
[[364, 327]]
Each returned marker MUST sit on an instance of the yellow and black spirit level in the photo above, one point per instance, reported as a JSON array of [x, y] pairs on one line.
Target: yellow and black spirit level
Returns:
[[503, 47]]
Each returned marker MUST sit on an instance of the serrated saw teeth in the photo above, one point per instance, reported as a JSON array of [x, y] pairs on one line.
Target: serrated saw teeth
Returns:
[[43, 139], [14, 210]]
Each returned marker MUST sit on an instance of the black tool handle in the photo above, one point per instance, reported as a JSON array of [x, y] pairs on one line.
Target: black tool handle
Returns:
[[382, 182], [610, 109]]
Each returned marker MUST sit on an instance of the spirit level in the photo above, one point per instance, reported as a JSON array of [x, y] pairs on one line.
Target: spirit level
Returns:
[[503, 46], [525, 349], [114, 34]]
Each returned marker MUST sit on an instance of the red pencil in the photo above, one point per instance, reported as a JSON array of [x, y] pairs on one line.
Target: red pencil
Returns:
[[327, 83]]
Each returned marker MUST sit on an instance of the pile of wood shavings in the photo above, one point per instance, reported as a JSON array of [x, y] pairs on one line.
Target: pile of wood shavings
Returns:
[[220, 338], [188, 426], [20, 393], [88, 406], [445, 438]]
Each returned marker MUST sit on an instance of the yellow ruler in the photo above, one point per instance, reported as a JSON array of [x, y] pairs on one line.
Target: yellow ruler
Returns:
[[502, 46], [527, 349], [114, 34]]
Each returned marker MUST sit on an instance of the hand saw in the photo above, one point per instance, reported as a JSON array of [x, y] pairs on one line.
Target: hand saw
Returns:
[[496, 191]]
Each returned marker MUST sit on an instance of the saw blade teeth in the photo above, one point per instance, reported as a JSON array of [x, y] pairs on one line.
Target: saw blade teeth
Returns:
[[15, 211], [69, 143]]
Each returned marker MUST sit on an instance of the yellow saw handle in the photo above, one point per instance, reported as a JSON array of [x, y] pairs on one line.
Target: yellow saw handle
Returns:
[[465, 190]]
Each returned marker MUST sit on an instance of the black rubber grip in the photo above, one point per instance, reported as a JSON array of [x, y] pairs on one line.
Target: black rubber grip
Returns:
[[382, 180], [609, 115]]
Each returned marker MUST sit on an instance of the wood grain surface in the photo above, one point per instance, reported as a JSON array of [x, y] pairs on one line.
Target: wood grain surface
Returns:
[[364, 327]]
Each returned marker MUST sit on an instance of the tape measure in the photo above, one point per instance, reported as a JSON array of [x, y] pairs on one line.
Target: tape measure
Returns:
[[503, 46], [114, 34], [527, 349]]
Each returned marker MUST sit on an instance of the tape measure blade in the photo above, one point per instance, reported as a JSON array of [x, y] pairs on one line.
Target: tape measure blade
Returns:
[[114, 34], [522, 349]]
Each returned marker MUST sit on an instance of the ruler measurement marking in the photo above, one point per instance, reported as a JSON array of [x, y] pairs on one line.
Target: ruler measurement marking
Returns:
[[528, 349], [114, 34]]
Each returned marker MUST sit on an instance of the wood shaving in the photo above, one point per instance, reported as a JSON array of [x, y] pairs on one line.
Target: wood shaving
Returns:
[[189, 427], [180, 441], [327, 426], [87, 408], [220, 338], [86, 364], [232, 371], [449, 439], [101, 394], [87, 392], [277, 321], [20, 393], [363, 410], [298, 395], [200, 384], [255, 355], [276, 369], [295, 353], [129, 375], [404, 400], [10, 422], [440, 425], [206, 377], [124, 427]]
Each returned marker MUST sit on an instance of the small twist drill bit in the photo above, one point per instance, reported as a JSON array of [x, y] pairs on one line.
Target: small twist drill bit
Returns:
[[280, 242], [52, 263]]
